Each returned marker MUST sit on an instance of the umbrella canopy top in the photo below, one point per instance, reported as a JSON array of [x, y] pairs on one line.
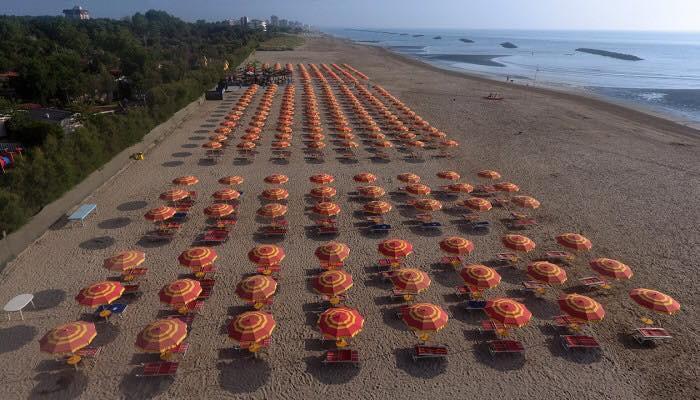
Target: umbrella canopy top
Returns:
[[428, 205], [197, 257], [518, 242], [100, 293], [256, 288], [480, 276], [322, 178], [611, 268], [125, 260], [251, 326], [276, 179], [161, 213], [231, 180], [340, 322], [461, 188], [574, 241], [162, 335], [526, 201], [68, 338], [371, 191], [323, 192], [655, 300], [272, 210], [333, 283], [174, 195], [180, 292], [187, 180], [408, 178], [266, 254], [219, 210], [508, 312], [377, 207], [410, 280], [507, 187], [425, 317], [449, 175], [275, 194], [418, 188], [489, 174], [581, 307], [395, 248], [226, 194], [364, 177], [546, 272], [333, 252], [477, 204], [327, 208], [456, 245]]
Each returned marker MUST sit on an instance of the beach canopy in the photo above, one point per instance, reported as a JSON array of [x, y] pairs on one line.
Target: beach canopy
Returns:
[[68, 338], [212, 145], [372, 192], [266, 255], [231, 180], [581, 307], [507, 187], [418, 188], [332, 252], [197, 257], [428, 205], [410, 280], [187, 180], [479, 276], [272, 210], [326, 208], [655, 300], [219, 210], [256, 288], [518, 242], [395, 248], [226, 194], [174, 195], [321, 179], [457, 245], [125, 260], [162, 335], [377, 207], [489, 174], [275, 194], [276, 179], [611, 268], [364, 177], [332, 283], [408, 178], [477, 204], [460, 188], [574, 241], [340, 322], [424, 317], [161, 213], [525, 202], [508, 312], [251, 327], [546, 272], [180, 292], [322, 192], [100, 293], [449, 175]]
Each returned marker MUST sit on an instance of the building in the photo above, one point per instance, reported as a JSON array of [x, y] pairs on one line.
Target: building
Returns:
[[76, 12], [65, 119], [244, 22], [274, 20], [284, 23], [258, 25]]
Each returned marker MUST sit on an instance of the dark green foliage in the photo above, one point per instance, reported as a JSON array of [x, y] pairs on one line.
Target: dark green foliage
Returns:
[[22, 129]]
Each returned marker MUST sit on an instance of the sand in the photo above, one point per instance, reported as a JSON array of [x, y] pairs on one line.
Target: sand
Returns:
[[627, 181]]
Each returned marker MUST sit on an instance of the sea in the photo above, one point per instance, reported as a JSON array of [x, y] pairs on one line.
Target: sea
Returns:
[[665, 81]]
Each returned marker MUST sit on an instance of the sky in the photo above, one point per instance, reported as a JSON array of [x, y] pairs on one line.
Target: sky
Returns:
[[645, 15]]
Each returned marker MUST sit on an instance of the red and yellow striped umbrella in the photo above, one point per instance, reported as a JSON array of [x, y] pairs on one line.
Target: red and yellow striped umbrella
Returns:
[[332, 284], [125, 260], [418, 188], [276, 179], [180, 292], [518, 242], [246, 145], [218, 138], [408, 178], [507, 187], [377, 207], [323, 192], [450, 143], [611, 268], [383, 143], [197, 257], [162, 335], [212, 145], [161, 213], [395, 248], [174, 195], [457, 245], [340, 322], [526, 202], [316, 136], [321, 179], [574, 241], [272, 210], [480, 276], [581, 307], [428, 205], [187, 180], [410, 280], [266, 255], [655, 300], [508, 312], [100, 293], [275, 194], [372, 192], [327, 208], [424, 317], [449, 175], [332, 252], [251, 327], [249, 137], [231, 180], [477, 204], [256, 288], [460, 188], [226, 194], [407, 136], [68, 338], [546, 272], [489, 174], [281, 145], [364, 177], [316, 145], [415, 143], [219, 210]]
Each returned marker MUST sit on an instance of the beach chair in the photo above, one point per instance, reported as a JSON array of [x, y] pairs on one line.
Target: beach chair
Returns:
[[579, 342], [430, 226], [264, 344], [559, 256], [593, 281], [180, 349], [159, 235], [206, 293], [491, 326], [506, 259], [271, 269], [341, 356], [214, 237], [500, 202], [522, 224], [184, 207], [224, 223], [452, 261], [424, 352], [505, 347], [534, 286], [424, 217], [133, 273], [327, 230], [273, 231], [390, 262], [475, 305], [379, 228], [81, 213], [162, 368], [479, 226], [651, 335]]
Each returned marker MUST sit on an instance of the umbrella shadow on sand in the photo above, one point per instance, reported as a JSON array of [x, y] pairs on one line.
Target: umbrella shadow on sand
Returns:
[[135, 387], [330, 376], [16, 337], [48, 298], [97, 243], [425, 369], [243, 376], [67, 383]]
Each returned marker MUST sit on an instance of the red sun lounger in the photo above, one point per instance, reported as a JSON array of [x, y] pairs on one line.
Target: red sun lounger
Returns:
[[505, 347], [344, 356], [585, 342], [164, 368], [422, 352]]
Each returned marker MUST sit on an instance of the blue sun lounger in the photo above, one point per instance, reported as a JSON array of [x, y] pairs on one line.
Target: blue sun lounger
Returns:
[[81, 213]]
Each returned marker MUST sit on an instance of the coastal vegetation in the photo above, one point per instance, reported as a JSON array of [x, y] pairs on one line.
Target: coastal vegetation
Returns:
[[612, 54], [509, 45], [281, 43]]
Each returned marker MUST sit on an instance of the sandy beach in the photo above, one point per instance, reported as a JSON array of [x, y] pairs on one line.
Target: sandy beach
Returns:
[[628, 181]]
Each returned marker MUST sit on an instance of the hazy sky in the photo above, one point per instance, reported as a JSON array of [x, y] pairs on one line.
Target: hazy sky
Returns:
[[497, 14]]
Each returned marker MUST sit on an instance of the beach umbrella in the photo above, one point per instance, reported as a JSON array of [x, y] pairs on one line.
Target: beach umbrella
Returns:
[[315, 137], [418, 189], [376, 136], [219, 210], [188, 180], [161, 213], [477, 204], [383, 143], [408, 178], [415, 143], [410, 280], [316, 145], [212, 145], [460, 188], [272, 210], [179, 293], [526, 202], [326, 208], [332, 252], [100, 293], [407, 136], [507, 187], [162, 336], [437, 135], [332, 284], [322, 192], [395, 248], [246, 145], [218, 138], [196, 257], [346, 136], [424, 318], [546, 272], [508, 312], [68, 338], [574, 241], [372, 192], [449, 175], [364, 177], [276, 179], [489, 174], [655, 300], [340, 323], [226, 194], [252, 327], [377, 207], [480, 277], [266, 255], [518, 242], [256, 289], [457, 245], [249, 137], [125, 260], [349, 145], [231, 180], [174, 195], [450, 143], [611, 268], [283, 136], [281, 145], [428, 205], [321, 179], [581, 307], [275, 194]]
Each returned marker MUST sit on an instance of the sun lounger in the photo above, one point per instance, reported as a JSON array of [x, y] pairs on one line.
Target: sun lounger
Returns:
[[184, 207], [379, 228], [160, 235], [534, 286], [593, 281], [505, 347], [181, 349], [273, 231], [195, 306], [430, 225], [163, 368], [390, 262], [224, 224], [522, 223], [89, 352], [491, 326], [327, 230], [479, 226], [214, 236], [500, 202], [651, 335], [453, 261], [131, 289], [245, 345], [558, 256], [207, 283], [206, 293], [475, 305], [81, 213], [584, 342], [344, 356], [423, 352], [507, 259], [271, 268], [424, 217]]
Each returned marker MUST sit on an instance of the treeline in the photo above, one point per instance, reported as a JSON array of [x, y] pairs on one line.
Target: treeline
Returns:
[[163, 57]]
